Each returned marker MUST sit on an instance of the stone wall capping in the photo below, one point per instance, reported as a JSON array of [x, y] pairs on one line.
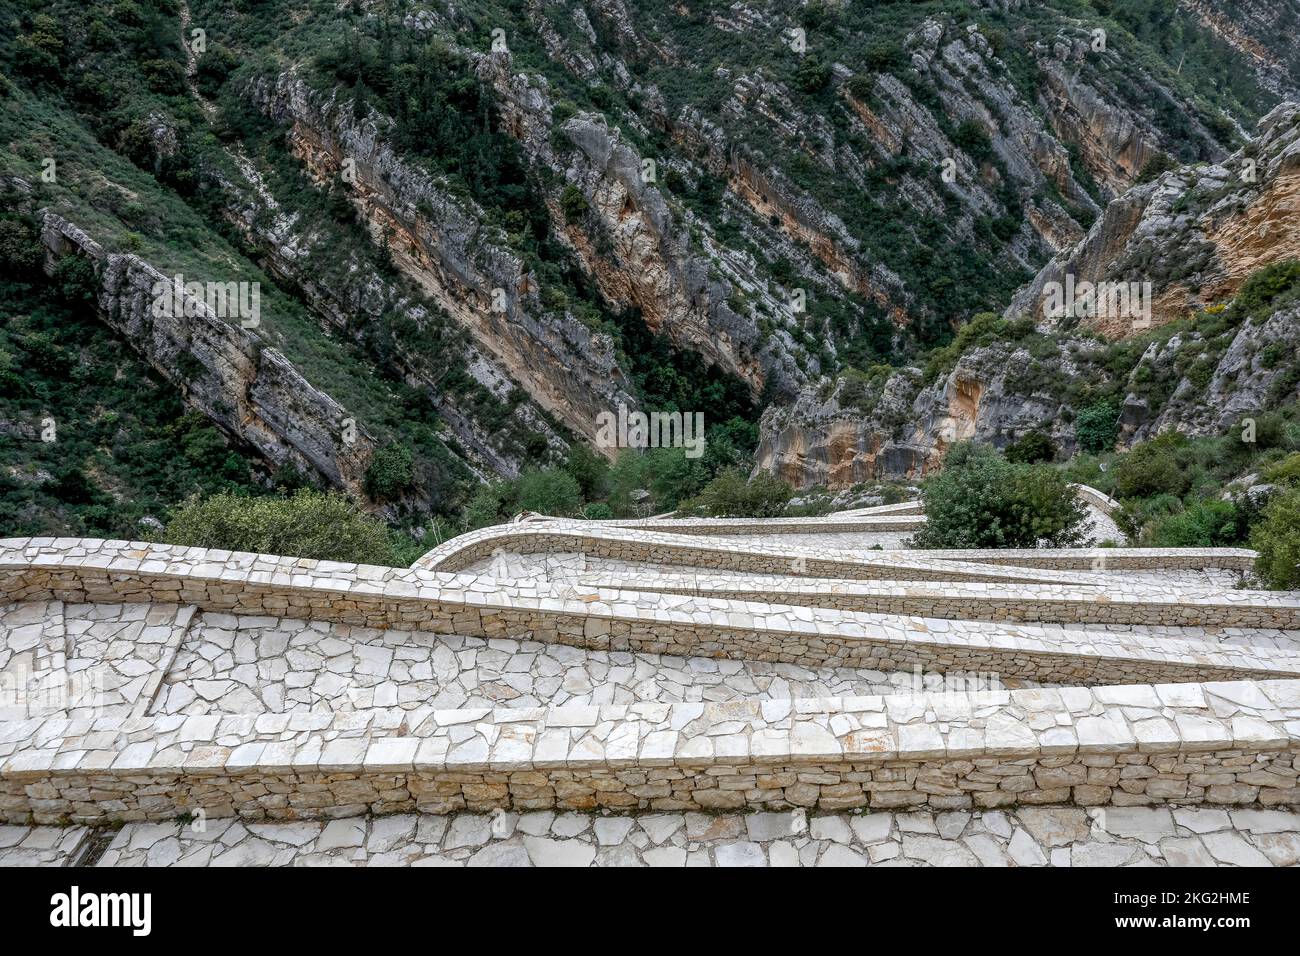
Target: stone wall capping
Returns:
[[876, 739]]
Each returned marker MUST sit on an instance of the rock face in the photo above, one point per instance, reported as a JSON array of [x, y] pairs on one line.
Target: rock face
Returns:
[[901, 427], [1265, 31], [252, 391], [1195, 234], [1251, 376], [638, 248], [360, 302], [441, 242]]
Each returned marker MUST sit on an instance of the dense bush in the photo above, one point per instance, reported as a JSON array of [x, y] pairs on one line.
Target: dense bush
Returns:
[[1285, 472], [1277, 539], [550, 492], [730, 495], [981, 500], [1206, 524], [20, 248], [1097, 427], [1031, 449], [1153, 468], [390, 472], [308, 524]]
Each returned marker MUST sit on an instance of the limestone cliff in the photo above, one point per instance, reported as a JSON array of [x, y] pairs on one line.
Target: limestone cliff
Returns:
[[440, 241], [1195, 234], [250, 390]]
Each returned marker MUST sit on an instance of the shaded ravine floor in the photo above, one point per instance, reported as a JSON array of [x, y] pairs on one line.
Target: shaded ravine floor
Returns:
[[1048, 836]]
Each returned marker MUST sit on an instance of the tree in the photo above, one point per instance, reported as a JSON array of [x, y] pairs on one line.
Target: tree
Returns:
[[550, 492], [573, 203], [390, 472], [812, 73], [981, 500], [1277, 540], [1097, 427], [1031, 449], [21, 252], [309, 524], [729, 495], [590, 470], [1152, 468]]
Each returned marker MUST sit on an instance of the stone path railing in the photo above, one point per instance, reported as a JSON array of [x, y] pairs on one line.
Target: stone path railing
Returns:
[[1098, 499], [1212, 743], [117, 572], [1138, 604], [774, 526], [651, 547], [657, 547], [1103, 559]]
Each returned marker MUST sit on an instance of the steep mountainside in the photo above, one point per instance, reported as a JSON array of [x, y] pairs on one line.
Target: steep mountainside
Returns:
[[480, 226]]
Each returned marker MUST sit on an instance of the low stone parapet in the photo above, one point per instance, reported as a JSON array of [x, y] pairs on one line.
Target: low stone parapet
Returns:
[[1137, 604], [110, 572], [1234, 743]]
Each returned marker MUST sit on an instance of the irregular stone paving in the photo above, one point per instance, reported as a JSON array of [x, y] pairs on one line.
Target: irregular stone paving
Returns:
[[33, 659], [117, 654], [41, 846], [85, 660], [1135, 836], [243, 664]]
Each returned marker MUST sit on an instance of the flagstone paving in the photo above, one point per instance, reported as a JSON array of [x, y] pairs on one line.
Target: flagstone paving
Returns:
[[1048, 836], [243, 664], [195, 691]]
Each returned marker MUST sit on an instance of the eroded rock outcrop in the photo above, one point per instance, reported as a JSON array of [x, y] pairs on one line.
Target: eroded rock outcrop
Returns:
[[1195, 234], [442, 243], [250, 390]]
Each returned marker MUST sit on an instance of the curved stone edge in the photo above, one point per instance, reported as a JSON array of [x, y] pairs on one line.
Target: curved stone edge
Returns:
[[1098, 499], [651, 547], [1150, 604], [1219, 743], [831, 524], [1104, 559], [656, 547], [92, 571]]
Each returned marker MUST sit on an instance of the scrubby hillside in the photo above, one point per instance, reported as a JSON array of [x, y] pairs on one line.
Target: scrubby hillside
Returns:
[[477, 227]]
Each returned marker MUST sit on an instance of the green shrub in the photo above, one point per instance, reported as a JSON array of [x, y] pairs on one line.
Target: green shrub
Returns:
[[981, 500], [1152, 468], [309, 524], [1031, 449], [590, 470], [1277, 539], [729, 495], [21, 252], [1097, 427], [1285, 472], [1206, 524], [973, 139], [573, 203], [74, 280], [550, 492], [491, 503], [390, 472], [213, 68], [597, 512], [813, 74]]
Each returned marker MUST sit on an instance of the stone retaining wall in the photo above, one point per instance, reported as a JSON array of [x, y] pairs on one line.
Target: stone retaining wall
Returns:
[[1105, 559], [1215, 743], [109, 572], [961, 600], [769, 526], [655, 547]]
